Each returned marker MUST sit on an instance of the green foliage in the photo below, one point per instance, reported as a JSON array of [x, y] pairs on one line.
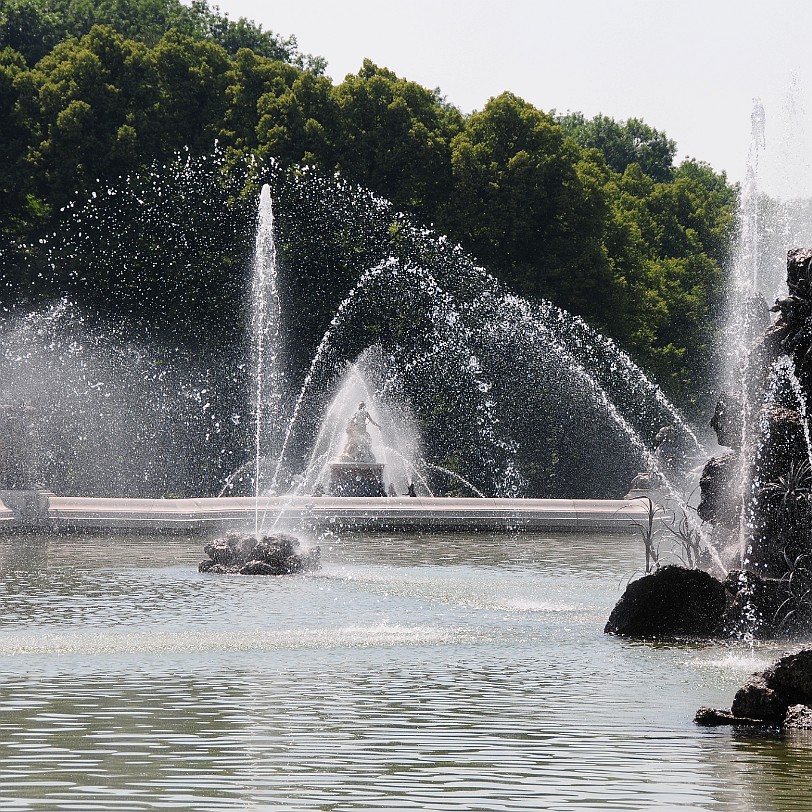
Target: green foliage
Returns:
[[30, 27], [192, 80], [590, 214], [530, 204], [88, 99], [34, 27], [394, 137], [298, 124], [624, 143], [13, 142], [673, 242]]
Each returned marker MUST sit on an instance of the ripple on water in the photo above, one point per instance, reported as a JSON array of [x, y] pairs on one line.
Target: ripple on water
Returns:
[[473, 683]]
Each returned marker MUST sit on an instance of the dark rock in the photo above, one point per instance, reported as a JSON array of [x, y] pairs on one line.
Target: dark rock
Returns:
[[779, 696], [672, 602], [275, 550], [792, 677], [647, 481], [771, 476], [278, 554], [719, 503], [799, 717], [260, 568], [799, 271], [217, 569], [713, 717], [780, 522], [754, 605], [220, 551], [727, 421], [756, 699]]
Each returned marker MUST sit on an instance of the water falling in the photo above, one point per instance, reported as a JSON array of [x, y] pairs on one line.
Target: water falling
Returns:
[[786, 366], [104, 417], [768, 226], [451, 342], [266, 333], [449, 346], [395, 441]]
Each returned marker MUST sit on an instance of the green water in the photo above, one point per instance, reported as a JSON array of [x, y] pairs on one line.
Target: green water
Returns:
[[435, 673]]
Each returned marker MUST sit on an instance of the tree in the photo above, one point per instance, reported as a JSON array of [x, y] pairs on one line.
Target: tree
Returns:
[[276, 110], [34, 27], [674, 238], [591, 214], [394, 138], [234, 36], [86, 105], [30, 27], [530, 204], [13, 144], [624, 143], [300, 124], [192, 78]]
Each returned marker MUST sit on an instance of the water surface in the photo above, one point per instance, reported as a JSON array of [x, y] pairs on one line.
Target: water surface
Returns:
[[439, 672]]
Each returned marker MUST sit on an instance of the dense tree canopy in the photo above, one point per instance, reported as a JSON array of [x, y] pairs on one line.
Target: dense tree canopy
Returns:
[[394, 137], [34, 27], [624, 143], [531, 204], [591, 214]]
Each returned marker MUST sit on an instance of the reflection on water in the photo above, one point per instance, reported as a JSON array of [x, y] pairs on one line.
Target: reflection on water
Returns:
[[442, 673]]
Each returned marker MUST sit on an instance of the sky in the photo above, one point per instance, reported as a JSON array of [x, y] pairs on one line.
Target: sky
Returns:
[[690, 68]]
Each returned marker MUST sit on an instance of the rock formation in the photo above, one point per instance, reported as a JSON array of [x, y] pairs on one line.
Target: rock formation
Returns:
[[758, 495], [279, 554], [779, 697], [680, 603], [672, 602]]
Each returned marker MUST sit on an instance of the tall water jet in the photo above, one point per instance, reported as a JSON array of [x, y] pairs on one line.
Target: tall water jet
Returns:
[[266, 336], [755, 362]]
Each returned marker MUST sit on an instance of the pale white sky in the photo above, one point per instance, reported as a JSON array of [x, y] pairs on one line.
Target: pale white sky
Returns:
[[689, 67]]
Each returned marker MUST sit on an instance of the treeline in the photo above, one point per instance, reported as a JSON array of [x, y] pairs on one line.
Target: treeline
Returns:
[[591, 214]]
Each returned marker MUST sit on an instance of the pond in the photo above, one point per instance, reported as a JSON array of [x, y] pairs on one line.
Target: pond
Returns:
[[446, 672]]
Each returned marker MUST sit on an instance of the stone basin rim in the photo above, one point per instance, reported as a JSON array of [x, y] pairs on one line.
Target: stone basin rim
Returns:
[[46, 512]]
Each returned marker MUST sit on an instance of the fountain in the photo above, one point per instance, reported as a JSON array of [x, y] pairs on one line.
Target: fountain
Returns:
[[762, 416], [756, 495], [463, 339], [521, 407], [265, 332], [356, 472], [394, 447], [465, 390]]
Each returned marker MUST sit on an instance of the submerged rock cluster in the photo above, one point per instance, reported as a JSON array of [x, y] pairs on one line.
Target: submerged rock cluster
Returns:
[[671, 602], [279, 554], [675, 602], [779, 697]]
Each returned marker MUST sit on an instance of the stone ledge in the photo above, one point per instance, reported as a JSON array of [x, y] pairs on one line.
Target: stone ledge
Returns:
[[564, 515]]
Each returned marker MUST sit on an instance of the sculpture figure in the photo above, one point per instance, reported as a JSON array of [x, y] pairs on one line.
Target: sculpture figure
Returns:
[[358, 447]]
